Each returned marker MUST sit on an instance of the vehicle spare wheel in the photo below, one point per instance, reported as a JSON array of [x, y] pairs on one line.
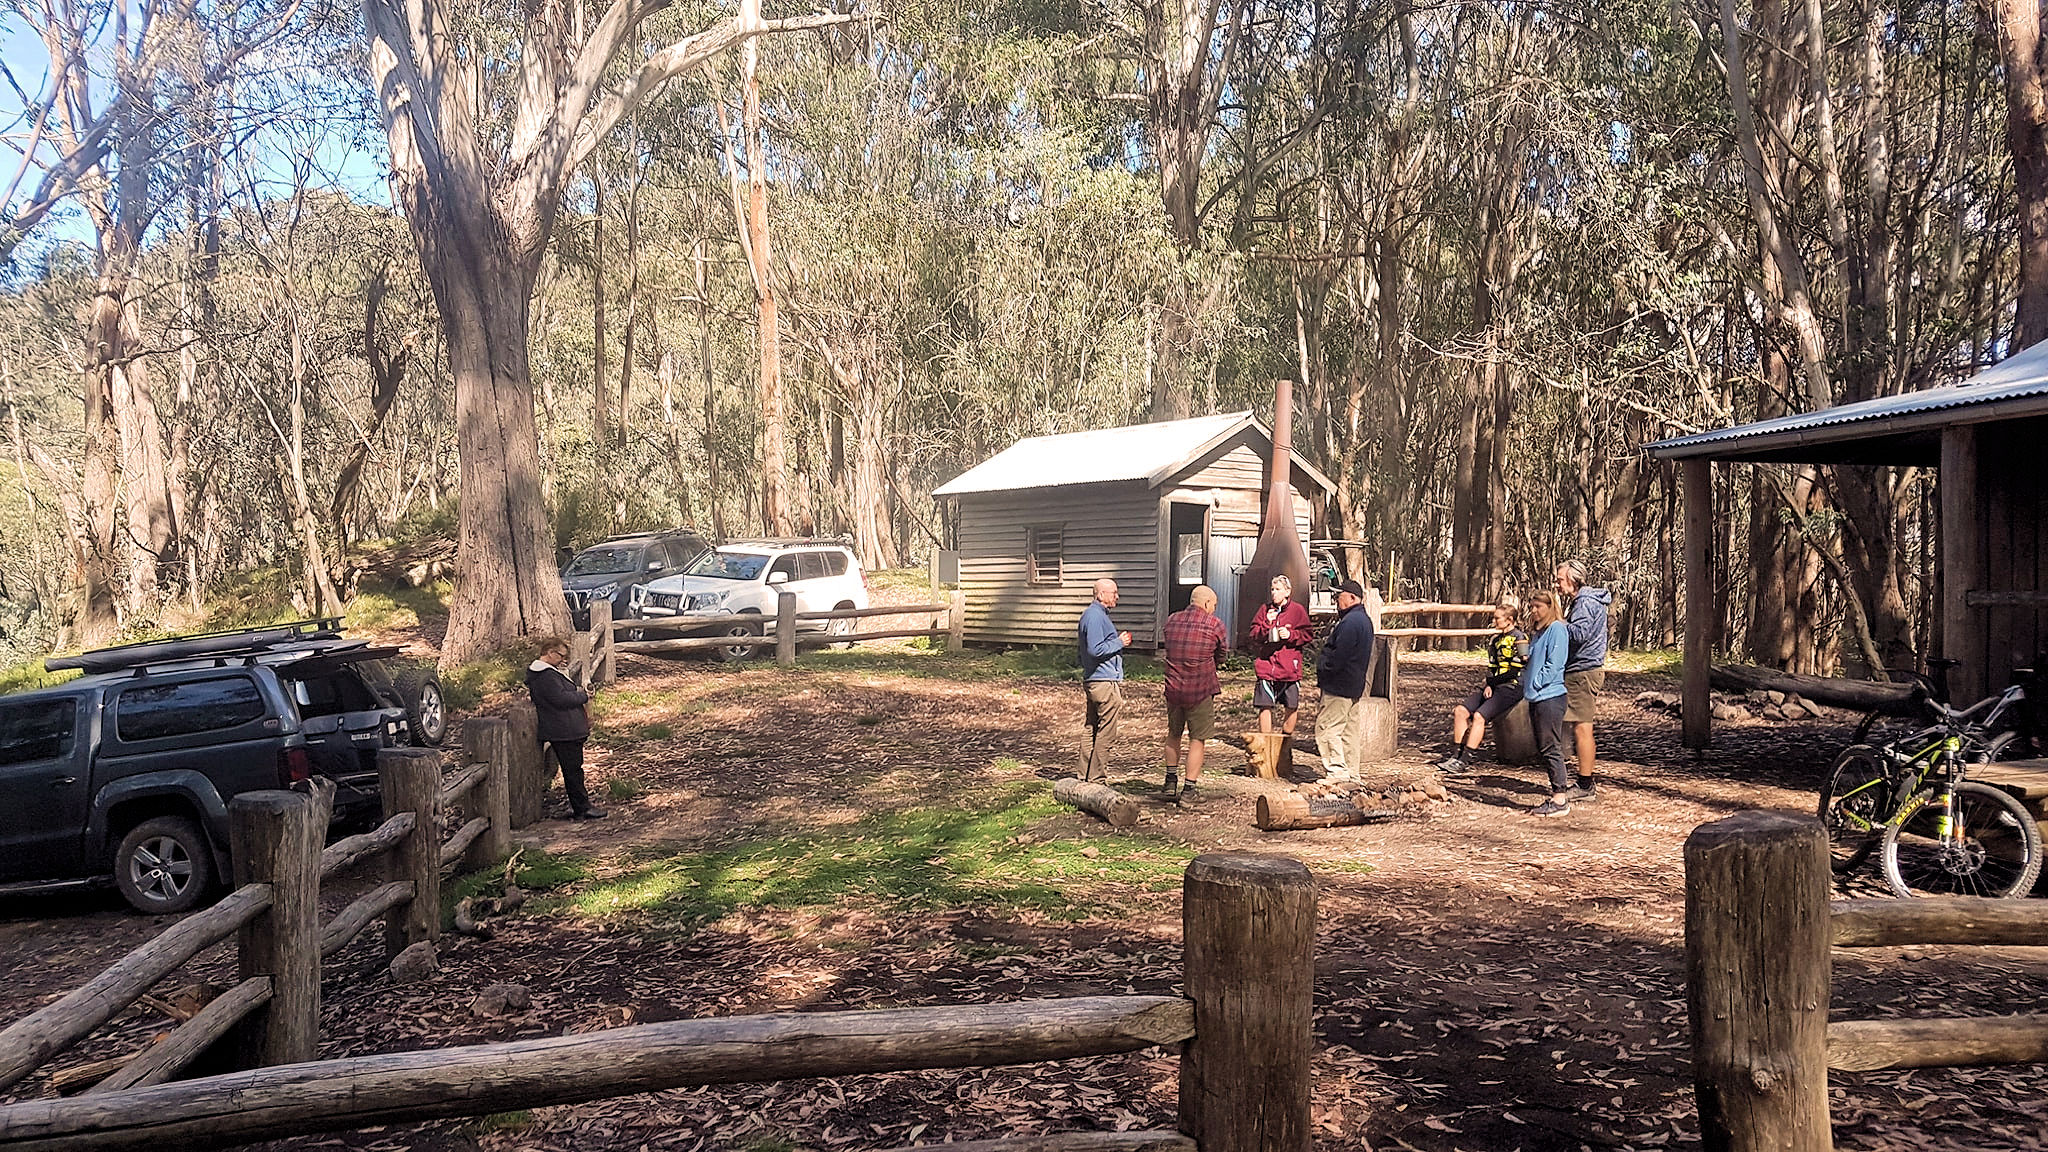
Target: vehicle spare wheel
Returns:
[[426, 713]]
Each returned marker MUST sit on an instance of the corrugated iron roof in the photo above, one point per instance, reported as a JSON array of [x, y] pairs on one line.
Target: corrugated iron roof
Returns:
[[2016, 386], [1148, 452]]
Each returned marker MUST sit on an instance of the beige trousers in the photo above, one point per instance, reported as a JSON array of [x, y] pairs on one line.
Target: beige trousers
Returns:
[[1337, 734]]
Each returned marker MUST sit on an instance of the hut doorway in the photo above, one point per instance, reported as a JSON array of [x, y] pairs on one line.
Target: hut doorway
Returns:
[[1188, 557]]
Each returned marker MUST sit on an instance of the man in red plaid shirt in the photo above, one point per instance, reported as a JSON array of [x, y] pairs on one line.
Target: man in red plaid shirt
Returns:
[[1195, 644]]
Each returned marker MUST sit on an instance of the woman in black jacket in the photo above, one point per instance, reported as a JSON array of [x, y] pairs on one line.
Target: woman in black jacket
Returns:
[[563, 711]]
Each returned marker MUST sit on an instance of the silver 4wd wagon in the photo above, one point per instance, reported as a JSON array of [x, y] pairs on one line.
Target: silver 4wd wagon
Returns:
[[126, 771]]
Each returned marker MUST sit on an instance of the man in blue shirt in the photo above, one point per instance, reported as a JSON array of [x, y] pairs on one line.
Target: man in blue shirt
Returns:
[[1585, 668], [1102, 672], [1341, 674]]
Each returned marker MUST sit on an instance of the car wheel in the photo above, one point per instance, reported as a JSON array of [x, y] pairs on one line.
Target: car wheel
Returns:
[[841, 628], [735, 653], [426, 711], [164, 866]]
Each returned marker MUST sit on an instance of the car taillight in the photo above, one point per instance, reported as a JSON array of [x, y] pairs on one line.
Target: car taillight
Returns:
[[294, 766]]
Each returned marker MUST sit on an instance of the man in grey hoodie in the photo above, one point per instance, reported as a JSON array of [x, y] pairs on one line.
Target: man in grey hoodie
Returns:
[[1585, 664]]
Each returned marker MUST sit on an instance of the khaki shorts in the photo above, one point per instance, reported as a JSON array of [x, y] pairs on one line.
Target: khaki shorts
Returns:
[[1199, 722], [1582, 694]]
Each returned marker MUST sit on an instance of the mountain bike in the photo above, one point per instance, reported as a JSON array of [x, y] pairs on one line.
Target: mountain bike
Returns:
[[1940, 834]]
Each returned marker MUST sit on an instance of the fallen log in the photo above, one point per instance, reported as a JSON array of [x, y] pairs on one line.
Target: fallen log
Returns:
[[1099, 800], [1293, 812], [1861, 695]]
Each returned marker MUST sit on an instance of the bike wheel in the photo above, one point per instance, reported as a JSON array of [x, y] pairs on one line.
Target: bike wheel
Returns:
[[1854, 804], [1982, 843]]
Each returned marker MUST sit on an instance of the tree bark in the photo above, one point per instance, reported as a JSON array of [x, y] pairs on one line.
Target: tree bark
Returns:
[[2017, 24]]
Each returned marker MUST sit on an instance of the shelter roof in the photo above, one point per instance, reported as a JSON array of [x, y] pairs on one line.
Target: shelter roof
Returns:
[[1149, 452], [1902, 429]]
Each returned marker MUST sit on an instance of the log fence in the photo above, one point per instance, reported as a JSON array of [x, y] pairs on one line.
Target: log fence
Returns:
[[1244, 1027], [593, 656], [271, 1015], [1759, 930]]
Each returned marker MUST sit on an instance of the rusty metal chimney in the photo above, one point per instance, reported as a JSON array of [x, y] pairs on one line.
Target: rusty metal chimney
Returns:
[[1280, 551]]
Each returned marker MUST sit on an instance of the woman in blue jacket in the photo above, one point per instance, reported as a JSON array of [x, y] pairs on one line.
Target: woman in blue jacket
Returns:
[[1543, 688]]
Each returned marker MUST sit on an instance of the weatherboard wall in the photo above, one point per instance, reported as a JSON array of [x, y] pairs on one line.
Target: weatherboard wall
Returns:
[[1108, 530]]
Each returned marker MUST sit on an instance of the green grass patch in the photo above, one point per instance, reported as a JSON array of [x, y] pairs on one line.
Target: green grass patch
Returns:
[[500, 1122], [624, 788], [655, 731], [1660, 661], [926, 858], [917, 580], [538, 872], [29, 675], [251, 598], [465, 687], [389, 609]]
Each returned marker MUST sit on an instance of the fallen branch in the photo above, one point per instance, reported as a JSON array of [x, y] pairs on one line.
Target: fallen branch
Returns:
[[1099, 800]]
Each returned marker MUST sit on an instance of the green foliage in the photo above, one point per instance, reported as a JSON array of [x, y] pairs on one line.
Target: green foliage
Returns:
[[464, 688], [964, 856], [397, 608], [28, 675]]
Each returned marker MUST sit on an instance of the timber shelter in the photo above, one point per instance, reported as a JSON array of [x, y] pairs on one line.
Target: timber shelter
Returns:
[[1159, 508], [1988, 438]]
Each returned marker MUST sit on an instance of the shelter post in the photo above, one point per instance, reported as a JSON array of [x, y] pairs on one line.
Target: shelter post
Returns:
[[1962, 563], [1697, 704]]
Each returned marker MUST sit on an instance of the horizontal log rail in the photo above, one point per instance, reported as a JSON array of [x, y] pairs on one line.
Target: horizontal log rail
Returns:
[[345, 853], [1950, 920], [360, 914], [867, 613], [768, 639], [1434, 607], [459, 843], [321, 1096], [1949, 1042], [1412, 632], [34, 1039], [169, 1056], [460, 784]]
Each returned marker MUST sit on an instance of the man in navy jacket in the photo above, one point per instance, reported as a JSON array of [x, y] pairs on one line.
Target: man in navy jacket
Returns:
[[1340, 673]]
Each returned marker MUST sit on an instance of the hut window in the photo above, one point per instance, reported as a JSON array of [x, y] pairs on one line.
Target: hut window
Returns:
[[1042, 552]]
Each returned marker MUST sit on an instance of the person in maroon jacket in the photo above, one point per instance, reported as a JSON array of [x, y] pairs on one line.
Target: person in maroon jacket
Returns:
[[1280, 632]]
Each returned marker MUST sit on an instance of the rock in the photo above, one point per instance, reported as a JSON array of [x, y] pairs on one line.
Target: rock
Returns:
[[416, 963], [1727, 712], [502, 1000], [1434, 790], [1091, 852], [1774, 696]]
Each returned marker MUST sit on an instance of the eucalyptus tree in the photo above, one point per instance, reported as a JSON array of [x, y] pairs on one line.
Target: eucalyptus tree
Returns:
[[488, 110]]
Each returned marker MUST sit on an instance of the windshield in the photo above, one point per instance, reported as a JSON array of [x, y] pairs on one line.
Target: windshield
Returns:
[[729, 565], [604, 562]]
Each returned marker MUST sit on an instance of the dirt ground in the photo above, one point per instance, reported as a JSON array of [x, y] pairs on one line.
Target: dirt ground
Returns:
[[1486, 979]]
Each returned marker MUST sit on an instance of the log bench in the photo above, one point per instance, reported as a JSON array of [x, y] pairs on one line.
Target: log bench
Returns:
[[2026, 780]]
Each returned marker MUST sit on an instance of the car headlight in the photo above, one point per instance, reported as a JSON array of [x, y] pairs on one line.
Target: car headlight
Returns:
[[706, 601], [606, 592]]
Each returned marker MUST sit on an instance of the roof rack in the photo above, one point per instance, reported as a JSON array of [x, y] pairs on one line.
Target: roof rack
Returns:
[[233, 642], [842, 539]]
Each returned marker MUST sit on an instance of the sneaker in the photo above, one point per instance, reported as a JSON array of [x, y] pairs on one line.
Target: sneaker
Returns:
[[1555, 806], [1453, 766], [1172, 788], [1582, 793], [588, 814]]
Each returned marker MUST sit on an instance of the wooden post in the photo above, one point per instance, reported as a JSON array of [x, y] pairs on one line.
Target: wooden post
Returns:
[[1695, 702], [956, 621], [785, 629], [1249, 927], [580, 665], [488, 739], [604, 659], [411, 780], [529, 775], [275, 838], [1962, 564], [1756, 967]]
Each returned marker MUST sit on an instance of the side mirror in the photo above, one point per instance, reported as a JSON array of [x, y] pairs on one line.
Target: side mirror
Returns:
[[778, 578], [655, 565]]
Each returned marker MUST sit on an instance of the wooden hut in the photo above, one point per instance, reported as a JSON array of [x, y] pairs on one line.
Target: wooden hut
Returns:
[[1985, 437], [1159, 508]]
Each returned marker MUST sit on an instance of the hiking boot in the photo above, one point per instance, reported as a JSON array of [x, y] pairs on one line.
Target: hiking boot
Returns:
[[1582, 793], [1187, 792], [1555, 806], [1172, 788], [588, 814]]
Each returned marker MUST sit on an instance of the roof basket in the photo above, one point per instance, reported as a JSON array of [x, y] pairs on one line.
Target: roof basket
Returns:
[[235, 642]]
